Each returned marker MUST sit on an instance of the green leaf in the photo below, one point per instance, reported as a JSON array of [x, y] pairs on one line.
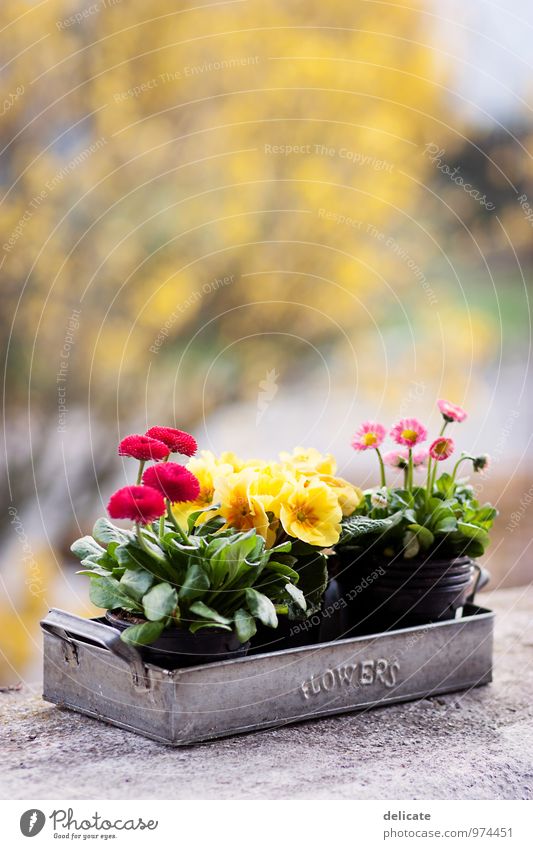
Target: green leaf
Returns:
[[199, 626], [159, 602], [85, 547], [227, 556], [282, 569], [483, 516], [210, 527], [445, 484], [95, 572], [411, 545], [245, 626], [446, 525], [215, 522], [424, 536], [313, 571], [107, 593], [354, 527], [105, 532], [261, 607], [137, 582], [473, 532], [201, 609], [472, 548], [142, 634], [283, 547], [296, 595], [130, 555], [195, 583]]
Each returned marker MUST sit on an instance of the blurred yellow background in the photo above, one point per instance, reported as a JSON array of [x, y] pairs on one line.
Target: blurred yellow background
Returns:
[[263, 222]]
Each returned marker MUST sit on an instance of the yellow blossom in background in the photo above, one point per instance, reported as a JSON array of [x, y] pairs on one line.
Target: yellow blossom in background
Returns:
[[310, 461], [229, 458]]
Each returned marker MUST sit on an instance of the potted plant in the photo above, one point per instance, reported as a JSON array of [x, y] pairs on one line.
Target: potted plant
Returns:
[[297, 499], [407, 553], [184, 594]]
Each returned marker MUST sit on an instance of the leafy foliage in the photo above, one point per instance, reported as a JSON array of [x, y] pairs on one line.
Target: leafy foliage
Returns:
[[210, 579], [448, 523]]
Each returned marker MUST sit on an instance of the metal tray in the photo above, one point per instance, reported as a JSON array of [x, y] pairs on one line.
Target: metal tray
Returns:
[[87, 668]]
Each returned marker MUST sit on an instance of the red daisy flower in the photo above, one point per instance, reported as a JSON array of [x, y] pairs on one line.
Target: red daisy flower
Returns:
[[139, 503], [178, 441], [175, 482], [143, 448]]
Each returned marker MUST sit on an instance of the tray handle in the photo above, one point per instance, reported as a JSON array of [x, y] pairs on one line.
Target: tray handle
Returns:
[[65, 625], [481, 580]]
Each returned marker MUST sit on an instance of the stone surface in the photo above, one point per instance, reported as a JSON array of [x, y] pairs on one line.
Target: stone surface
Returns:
[[473, 745]]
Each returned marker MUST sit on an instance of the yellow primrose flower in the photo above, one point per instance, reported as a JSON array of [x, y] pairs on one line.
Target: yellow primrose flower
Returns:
[[312, 513], [310, 461], [350, 496], [269, 485], [231, 459], [238, 505]]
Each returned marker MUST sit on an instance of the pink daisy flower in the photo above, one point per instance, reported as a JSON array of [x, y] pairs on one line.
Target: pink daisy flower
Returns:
[[369, 435], [420, 458], [442, 448], [396, 459], [451, 412], [409, 432], [399, 459]]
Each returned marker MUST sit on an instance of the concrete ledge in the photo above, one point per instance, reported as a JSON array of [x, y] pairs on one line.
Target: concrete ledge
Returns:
[[474, 745]]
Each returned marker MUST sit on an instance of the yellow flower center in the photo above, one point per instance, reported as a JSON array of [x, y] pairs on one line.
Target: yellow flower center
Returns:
[[409, 435], [369, 438], [440, 447]]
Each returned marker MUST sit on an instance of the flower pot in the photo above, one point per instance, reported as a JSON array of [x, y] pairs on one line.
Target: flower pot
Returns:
[[385, 594], [177, 647], [321, 627], [290, 634]]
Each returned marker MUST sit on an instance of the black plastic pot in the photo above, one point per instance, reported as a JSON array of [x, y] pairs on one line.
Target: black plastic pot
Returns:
[[177, 647], [289, 634], [321, 627], [385, 594]]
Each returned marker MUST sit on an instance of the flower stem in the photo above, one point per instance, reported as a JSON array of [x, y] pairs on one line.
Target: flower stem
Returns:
[[410, 471], [429, 488], [456, 467], [172, 519], [142, 542], [140, 472], [381, 468]]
